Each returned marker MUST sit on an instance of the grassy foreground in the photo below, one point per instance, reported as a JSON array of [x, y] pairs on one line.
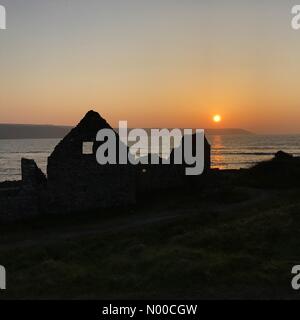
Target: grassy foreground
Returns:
[[229, 242]]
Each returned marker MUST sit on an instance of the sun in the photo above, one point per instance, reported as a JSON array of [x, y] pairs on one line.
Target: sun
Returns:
[[217, 118]]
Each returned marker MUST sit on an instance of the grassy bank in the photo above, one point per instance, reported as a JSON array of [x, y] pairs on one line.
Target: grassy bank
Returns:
[[229, 242]]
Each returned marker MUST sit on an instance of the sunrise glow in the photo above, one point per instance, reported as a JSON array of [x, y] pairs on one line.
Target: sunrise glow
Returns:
[[217, 118]]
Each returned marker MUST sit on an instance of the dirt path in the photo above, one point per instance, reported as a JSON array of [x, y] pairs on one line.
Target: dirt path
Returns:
[[113, 226], [136, 221]]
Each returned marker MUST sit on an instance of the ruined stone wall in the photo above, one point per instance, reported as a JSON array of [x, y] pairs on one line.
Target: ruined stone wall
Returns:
[[82, 184], [9, 200], [76, 182], [161, 177], [21, 199]]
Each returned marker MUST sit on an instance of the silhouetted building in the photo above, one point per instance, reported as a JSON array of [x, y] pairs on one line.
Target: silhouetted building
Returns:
[[77, 182]]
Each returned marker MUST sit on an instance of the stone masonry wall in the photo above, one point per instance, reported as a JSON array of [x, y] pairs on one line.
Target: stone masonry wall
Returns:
[[21, 199]]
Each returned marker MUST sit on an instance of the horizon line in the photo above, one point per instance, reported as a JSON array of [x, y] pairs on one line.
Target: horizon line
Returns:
[[215, 129]]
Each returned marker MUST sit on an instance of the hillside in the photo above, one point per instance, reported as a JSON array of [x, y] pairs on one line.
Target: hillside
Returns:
[[23, 131]]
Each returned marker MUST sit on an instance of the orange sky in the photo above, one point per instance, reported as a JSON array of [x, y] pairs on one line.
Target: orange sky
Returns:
[[154, 64]]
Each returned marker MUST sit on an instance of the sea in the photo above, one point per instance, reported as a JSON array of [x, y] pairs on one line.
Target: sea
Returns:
[[228, 151]]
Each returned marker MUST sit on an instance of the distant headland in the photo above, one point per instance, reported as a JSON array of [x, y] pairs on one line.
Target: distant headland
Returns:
[[27, 131], [228, 131]]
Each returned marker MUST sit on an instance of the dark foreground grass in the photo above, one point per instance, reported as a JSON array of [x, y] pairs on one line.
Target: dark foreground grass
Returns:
[[241, 251]]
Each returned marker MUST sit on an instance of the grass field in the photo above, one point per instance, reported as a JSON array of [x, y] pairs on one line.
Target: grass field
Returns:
[[229, 242]]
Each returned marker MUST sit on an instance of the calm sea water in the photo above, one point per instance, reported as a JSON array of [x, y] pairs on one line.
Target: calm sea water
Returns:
[[228, 152]]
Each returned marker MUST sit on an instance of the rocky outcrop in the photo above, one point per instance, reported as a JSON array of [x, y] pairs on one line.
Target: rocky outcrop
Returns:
[[282, 171], [282, 156]]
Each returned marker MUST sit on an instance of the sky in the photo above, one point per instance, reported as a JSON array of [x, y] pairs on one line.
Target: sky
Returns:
[[154, 63]]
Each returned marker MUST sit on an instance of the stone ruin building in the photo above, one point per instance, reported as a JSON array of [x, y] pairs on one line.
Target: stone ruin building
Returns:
[[76, 182]]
